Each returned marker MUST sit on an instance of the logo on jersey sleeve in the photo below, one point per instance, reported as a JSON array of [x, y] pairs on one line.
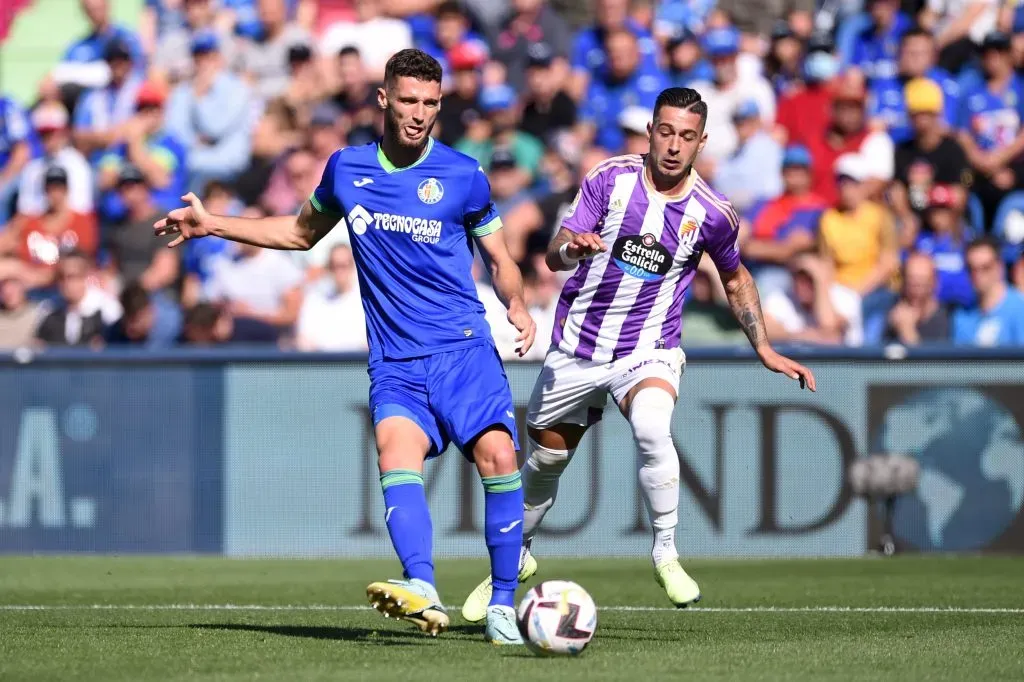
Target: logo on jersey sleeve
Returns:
[[641, 256], [359, 219], [430, 191], [571, 211]]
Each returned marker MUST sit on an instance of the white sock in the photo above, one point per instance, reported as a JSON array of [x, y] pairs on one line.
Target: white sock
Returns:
[[650, 415], [540, 476]]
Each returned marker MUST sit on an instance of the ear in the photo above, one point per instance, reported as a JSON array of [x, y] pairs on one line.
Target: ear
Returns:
[[382, 98], [703, 141], [650, 128]]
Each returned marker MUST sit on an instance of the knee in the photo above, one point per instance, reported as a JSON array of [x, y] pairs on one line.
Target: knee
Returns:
[[495, 454], [650, 416], [548, 459]]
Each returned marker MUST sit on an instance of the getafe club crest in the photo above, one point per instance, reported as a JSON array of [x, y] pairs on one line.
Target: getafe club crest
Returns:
[[430, 191]]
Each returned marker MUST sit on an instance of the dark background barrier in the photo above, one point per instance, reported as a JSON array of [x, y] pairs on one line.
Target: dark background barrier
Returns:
[[249, 452]]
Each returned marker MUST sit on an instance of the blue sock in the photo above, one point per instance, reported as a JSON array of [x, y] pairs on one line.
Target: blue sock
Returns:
[[408, 519], [503, 531]]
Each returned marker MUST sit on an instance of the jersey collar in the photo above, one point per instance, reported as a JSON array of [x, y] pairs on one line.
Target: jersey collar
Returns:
[[389, 167]]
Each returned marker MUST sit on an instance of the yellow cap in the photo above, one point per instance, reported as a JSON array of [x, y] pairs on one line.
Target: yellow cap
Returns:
[[923, 96]]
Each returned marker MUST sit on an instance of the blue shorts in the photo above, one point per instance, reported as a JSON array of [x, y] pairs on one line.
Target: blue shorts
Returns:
[[453, 396]]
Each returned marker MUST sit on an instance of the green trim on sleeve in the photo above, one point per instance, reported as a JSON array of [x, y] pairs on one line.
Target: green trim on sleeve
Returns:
[[489, 228]]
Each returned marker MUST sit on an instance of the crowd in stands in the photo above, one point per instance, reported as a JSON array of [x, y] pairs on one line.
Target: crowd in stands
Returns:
[[874, 150]]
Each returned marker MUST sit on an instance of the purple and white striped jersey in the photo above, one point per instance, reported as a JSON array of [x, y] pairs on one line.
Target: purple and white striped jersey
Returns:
[[630, 297]]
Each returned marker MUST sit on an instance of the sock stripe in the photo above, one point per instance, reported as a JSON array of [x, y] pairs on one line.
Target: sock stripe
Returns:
[[502, 484], [400, 477]]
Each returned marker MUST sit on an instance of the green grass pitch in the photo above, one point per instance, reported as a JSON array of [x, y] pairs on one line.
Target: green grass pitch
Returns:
[[907, 618]]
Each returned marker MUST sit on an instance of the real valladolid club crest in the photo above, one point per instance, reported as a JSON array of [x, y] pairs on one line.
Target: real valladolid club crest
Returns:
[[689, 224], [430, 191]]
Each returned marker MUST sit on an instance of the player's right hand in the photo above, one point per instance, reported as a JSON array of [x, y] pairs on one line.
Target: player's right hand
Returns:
[[585, 245], [188, 222]]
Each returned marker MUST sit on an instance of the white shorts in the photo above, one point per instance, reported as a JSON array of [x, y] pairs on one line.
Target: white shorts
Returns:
[[574, 391]]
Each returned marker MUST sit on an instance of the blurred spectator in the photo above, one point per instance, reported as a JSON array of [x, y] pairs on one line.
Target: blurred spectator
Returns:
[[784, 61], [498, 129], [277, 131], [918, 317], [958, 25], [17, 147], [931, 157], [858, 239], [804, 112], [291, 184], [1017, 273], [19, 317], [675, 17], [257, 284], [725, 94], [101, 113], [991, 129], [452, 27], [135, 255], [530, 227], [376, 36], [541, 290], [548, 108], [686, 64], [160, 17], [211, 116], [83, 62], [205, 325], [461, 105], [848, 134], [758, 16], [357, 96], [51, 123], [625, 85], [633, 122], [589, 52], [145, 322], [887, 103], [507, 189], [172, 61], [147, 146], [44, 239], [816, 310], [265, 60], [944, 239], [998, 317], [331, 318], [786, 226], [73, 323], [201, 255], [875, 51], [753, 172], [530, 22], [708, 322]]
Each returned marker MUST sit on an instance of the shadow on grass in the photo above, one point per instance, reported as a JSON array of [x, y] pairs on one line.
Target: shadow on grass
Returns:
[[339, 633]]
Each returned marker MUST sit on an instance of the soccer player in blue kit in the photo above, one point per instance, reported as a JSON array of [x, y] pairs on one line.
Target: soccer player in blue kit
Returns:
[[411, 205]]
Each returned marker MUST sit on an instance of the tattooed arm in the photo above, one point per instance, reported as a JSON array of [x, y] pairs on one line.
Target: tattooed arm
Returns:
[[746, 306], [578, 246]]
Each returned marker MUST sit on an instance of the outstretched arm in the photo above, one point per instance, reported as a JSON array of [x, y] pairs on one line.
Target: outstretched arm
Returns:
[[297, 233], [746, 306], [508, 285]]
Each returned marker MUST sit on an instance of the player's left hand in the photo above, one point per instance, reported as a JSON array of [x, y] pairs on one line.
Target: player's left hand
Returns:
[[792, 369], [519, 318]]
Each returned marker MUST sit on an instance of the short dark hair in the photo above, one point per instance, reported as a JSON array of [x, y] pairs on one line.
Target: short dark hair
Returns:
[[449, 8], [348, 51], [202, 316], [916, 32], [411, 63], [134, 299], [985, 242], [682, 98]]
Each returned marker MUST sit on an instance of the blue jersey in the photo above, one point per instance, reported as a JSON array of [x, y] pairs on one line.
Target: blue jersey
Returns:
[[410, 230], [993, 118], [588, 53], [14, 128], [877, 55], [1001, 326], [605, 101]]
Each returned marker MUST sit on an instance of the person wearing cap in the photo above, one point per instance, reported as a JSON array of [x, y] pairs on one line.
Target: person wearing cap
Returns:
[[887, 103], [461, 107], [686, 63], [83, 61], [547, 107], [172, 60], [848, 133], [931, 156], [992, 125], [17, 147], [375, 35], [858, 239], [726, 92], [50, 121], [211, 115], [944, 240], [753, 173], [43, 239], [102, 112], [876, 49], [264, 62], [498, 129], [634, 121], [785, 226], [144, 143], [530, 22], [626, 84], [589, 60], [506, 189]]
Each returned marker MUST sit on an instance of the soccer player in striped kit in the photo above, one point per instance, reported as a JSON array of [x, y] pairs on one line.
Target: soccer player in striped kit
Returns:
[[634, 236]]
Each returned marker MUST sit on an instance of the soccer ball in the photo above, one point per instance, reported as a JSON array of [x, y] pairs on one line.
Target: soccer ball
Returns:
[[557, 618]]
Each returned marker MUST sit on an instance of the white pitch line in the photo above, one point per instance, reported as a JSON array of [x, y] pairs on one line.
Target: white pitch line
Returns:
[[329, 607]]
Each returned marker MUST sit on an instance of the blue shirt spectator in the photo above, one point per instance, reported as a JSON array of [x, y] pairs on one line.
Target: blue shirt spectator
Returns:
[[887, 103], [166, 151], [18, 144], [753, 172], [439, 34], [589, 54], [876, 50], [92, 47], [100, 113], [673, 16], [686, 63], [991, 110], [998, 317]]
